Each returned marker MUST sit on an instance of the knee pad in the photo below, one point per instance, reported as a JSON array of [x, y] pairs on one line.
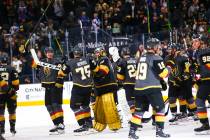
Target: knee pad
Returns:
[[2, 109], [200, 103], [190, 101], [49, 109], [159, 108], [56, 106], [12, 110], [131, 103], [86, 108], [172, 100], [161, 111], [75, 106]]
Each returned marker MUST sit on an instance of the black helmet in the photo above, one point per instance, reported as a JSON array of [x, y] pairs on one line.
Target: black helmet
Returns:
[[177, 46], [4, 59], [125, 51], [152, 43], [196, 37], [172, 46], [49, 49], [77, 51]]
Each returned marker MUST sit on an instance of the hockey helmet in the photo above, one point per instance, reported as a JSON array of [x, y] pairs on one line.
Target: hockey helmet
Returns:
[[152, 43], [125, 51], [77, 51], [49, 49], [196, 37], [4, 59]]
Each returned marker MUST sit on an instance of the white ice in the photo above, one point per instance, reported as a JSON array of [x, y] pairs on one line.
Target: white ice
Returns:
[[33, 123]]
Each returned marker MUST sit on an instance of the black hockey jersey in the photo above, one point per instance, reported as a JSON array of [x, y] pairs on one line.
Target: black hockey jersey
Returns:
[[126, 70], [9, 78], [80, 71], [183, 67], [149, 71], [204, 63], [47, 75], [103, 76]]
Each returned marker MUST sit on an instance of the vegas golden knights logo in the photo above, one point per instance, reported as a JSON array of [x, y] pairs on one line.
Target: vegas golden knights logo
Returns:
[[46, 71]]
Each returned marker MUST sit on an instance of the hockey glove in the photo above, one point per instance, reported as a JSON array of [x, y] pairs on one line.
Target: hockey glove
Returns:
[[163, 84]]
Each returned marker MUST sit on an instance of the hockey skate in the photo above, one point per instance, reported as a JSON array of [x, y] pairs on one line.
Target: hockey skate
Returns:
[[183, 116], [174, 119], [160, 133], [132, 134], [85, 129], [203, 130], [58, 129], [81, 129], [13, 131]]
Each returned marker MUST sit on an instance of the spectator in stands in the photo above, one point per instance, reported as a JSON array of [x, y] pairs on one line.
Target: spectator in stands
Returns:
[[58, 10], [96, 23], [17, 64], [84, 19], [22, 11]]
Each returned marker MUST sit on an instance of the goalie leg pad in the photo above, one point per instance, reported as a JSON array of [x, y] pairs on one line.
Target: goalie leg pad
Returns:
[[110, 111], [98, 126], [100, 121]]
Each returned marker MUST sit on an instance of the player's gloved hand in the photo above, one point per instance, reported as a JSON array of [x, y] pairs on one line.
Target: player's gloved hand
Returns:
[[163, 84], [64, 59], [93, 64], [12, 91]]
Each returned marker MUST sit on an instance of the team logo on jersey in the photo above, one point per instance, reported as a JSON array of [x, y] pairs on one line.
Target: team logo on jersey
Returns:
[[46, 71]]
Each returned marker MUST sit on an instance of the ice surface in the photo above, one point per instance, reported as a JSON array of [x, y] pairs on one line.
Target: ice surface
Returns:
[[33, 123]]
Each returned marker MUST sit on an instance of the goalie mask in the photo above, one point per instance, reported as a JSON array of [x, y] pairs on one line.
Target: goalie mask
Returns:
[[99, 52], [113, 51]]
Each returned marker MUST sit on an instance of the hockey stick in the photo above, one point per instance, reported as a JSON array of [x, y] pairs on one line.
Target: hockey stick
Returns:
[[43, 64], [37, 24]]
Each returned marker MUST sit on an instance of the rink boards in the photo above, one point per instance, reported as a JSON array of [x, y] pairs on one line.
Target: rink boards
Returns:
[[33, 94]]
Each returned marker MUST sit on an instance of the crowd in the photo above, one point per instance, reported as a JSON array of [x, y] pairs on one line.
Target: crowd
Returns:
[[117, 17]]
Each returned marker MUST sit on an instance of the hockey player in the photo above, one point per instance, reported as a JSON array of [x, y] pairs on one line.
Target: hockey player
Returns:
[[8, 96], [203, 58], [53, 85], [126, 70], [105, 111], [180, 86], [150, 70], [183, 68], [82, 87], [174, 86]]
